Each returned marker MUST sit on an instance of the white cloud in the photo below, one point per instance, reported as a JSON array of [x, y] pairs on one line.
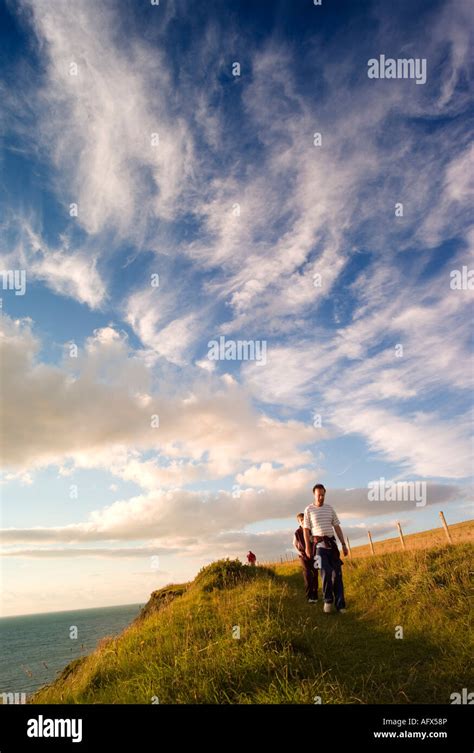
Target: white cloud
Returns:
[[73, 274], [100, 137], [190, 520], [97, 409], [268, 477], [358, 384]]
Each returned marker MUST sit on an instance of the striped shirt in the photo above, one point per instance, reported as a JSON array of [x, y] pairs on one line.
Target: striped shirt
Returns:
[[320, 520]]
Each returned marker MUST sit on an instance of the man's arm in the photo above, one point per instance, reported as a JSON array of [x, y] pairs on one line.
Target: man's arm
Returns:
[[307, 541], [340, 536]]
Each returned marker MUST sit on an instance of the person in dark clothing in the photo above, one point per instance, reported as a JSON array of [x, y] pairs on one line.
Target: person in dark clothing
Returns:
[[310, 575], [251, 558]]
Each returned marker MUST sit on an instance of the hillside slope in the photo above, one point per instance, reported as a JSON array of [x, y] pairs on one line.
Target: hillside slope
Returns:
[[184, 648]]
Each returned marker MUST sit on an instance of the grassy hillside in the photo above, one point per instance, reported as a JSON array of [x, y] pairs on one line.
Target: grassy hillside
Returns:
[[181, 648]]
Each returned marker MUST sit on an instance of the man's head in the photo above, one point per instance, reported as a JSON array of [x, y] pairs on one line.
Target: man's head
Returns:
[[319, 492], [300, 518]]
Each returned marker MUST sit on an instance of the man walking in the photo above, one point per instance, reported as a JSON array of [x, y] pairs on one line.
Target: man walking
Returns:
[[310, 575], [321, 521]]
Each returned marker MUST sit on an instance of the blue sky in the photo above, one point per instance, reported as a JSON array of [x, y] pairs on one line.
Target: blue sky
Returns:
[[132, 149]]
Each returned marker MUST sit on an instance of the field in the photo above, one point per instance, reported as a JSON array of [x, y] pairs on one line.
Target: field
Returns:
[[245, 635]]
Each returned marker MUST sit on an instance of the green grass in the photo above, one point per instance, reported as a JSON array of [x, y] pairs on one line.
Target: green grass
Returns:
[[181, 649]]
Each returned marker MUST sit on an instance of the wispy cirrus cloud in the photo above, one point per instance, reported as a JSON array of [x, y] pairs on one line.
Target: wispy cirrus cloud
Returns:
[[100, 139]]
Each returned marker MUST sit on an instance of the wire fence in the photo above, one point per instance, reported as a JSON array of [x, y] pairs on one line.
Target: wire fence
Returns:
[[383, 547]]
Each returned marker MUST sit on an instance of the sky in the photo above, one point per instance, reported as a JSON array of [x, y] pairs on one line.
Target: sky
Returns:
[[183, 175]]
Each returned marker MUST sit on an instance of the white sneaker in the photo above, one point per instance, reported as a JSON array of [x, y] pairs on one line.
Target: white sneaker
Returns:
[[312, 601], [327, 608], [342, 611]]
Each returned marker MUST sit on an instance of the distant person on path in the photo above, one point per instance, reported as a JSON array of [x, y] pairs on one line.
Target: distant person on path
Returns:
[[310, 575], [251, 558], [320, 521]]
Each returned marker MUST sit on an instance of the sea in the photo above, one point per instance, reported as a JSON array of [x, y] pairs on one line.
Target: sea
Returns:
[[34, 648]]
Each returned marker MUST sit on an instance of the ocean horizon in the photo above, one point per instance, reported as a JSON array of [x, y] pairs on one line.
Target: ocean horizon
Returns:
[[36, 647]]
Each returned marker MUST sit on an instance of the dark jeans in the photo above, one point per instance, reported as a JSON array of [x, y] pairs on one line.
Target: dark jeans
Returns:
[[331, 576], [310, 576]]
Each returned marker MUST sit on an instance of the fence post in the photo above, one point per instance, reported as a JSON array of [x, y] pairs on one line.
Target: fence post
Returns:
[[370, 542], [349, 547], [400, 532], [445, 526]]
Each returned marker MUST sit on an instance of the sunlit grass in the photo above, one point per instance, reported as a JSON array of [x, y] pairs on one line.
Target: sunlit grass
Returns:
[[183, 649]]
